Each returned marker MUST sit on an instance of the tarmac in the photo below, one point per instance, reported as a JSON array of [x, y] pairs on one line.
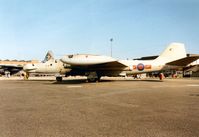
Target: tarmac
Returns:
[[115, 107]]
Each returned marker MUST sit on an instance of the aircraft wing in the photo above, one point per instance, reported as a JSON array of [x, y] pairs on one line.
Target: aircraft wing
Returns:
[[12, 68], [184, 61], [115, 65]]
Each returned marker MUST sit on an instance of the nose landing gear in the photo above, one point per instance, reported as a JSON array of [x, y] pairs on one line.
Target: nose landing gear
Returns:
[[25, 75]]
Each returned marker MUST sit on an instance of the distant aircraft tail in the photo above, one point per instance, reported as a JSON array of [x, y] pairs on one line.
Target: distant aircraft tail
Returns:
[[49, 56], [173, 52]]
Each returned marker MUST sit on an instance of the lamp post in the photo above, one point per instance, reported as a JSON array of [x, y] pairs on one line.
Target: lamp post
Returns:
[[111, 40]]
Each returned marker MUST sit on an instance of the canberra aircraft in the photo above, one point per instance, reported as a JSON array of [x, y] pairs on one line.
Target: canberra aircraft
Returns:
[[94, 66]]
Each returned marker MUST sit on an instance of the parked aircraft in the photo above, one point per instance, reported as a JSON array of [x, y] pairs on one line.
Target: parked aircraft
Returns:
[[95, 66], [50, 65], [10, 69]]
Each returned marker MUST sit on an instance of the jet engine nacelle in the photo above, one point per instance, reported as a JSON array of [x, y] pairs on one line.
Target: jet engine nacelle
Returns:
[[84, 59]]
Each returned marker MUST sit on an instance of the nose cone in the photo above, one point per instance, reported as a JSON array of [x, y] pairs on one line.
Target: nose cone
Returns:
[[29, 68]]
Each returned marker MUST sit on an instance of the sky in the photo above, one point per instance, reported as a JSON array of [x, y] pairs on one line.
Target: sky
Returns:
[[29, 28]]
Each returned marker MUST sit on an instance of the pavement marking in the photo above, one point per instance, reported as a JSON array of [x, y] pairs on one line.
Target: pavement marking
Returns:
[[127, 105], [72, 86], [193, 85]]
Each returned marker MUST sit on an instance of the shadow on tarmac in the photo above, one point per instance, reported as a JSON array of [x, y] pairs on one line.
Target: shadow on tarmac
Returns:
[[196, 95], [82, 81]]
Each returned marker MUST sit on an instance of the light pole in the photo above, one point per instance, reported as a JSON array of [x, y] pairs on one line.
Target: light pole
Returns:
[[111, 40]]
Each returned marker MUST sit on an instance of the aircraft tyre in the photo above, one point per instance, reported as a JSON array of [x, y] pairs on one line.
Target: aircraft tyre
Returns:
[[58, 79], [94, 79]]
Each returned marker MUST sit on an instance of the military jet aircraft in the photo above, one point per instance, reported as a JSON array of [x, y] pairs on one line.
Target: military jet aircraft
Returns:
[[10, 69], [96, 66]]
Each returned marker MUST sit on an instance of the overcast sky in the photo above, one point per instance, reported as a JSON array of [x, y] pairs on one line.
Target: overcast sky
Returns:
[[29, 28]]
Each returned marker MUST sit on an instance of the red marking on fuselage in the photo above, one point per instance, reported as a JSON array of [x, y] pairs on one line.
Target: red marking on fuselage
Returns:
[[147, 66]]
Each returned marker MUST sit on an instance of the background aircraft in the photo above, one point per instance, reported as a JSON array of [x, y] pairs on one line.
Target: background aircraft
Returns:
[[10, 69], [94, 66]]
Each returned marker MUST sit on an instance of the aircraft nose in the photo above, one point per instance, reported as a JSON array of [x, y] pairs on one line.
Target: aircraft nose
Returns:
[[29, 67]]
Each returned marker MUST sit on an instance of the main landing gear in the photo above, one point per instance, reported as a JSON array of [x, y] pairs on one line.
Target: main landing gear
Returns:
[[93, 77], [161, 76], [59, 79]]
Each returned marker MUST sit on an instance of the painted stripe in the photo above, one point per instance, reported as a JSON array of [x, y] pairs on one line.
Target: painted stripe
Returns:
[[74, 86]]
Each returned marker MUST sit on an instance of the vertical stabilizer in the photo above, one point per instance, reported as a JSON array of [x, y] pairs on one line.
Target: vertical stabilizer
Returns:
[[173, 52]]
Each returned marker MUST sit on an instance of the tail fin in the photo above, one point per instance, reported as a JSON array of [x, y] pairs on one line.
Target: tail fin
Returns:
[[49, 56], [173, 52]]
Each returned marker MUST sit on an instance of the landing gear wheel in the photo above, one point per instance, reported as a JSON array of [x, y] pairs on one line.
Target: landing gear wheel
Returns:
[[25, 76], [92, 79], [58, 79]]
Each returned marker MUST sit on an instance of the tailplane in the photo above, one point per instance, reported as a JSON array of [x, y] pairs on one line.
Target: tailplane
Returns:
[[173, 52]]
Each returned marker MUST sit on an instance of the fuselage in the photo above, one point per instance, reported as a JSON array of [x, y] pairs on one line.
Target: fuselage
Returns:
[[141, 66], [51, 66]]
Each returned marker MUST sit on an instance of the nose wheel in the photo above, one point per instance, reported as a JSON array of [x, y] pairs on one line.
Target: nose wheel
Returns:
[[25, 76]]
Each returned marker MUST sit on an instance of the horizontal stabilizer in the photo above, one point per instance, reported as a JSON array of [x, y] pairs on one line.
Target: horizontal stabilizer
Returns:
[[184, 61], [194, 68]]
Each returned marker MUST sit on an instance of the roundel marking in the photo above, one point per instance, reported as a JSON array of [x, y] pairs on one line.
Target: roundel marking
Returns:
[[140, 67]]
